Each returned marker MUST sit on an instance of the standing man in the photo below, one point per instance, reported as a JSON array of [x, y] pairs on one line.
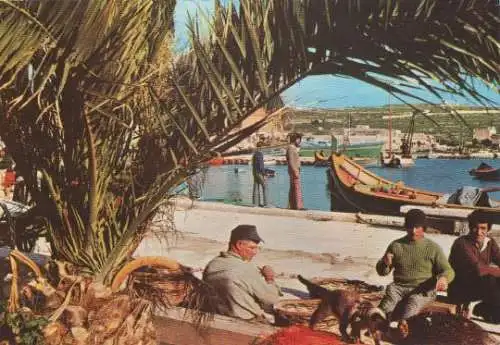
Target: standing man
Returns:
[[246, 291], [475, 258], [259, 177], [292, 156], [420, 269]]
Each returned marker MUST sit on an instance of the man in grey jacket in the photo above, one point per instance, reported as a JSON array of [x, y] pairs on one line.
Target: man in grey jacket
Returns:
[[246, 291]]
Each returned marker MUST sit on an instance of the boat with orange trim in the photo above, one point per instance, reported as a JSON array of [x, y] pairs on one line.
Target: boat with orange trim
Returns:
[[356, 189]]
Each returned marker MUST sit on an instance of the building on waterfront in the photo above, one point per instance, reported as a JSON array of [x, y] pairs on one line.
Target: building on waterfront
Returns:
[[495, 140], [364, 133], [273, 132], [481, 134]]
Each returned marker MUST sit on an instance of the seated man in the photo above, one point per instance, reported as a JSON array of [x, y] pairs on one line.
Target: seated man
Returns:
[[472, 257], [420, 269], [246, 291]]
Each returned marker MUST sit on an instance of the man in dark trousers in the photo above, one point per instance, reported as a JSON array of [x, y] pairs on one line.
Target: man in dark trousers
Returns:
[[259, 177], [475, 258]]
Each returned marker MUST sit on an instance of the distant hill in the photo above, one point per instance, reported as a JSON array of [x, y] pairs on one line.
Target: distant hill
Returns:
[[308, 120]]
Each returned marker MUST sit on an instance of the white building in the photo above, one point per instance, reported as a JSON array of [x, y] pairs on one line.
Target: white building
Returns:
[[495, 139], [481, 134]]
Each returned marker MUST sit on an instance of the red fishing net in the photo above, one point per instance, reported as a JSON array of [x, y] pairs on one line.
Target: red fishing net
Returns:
[[301, 335]]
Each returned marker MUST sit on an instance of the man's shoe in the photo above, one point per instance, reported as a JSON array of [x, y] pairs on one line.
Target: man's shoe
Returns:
[[404, 329], [487, 312]]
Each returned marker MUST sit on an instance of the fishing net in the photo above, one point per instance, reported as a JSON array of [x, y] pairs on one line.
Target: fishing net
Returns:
[[298, 312], [301, 335], [445, 329], [367, 292]]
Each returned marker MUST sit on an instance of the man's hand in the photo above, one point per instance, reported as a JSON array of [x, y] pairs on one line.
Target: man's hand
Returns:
[[442, 284], [268, 273], [388, 259]]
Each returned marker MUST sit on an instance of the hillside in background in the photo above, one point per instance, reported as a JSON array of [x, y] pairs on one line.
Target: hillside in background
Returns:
[[446, 126]]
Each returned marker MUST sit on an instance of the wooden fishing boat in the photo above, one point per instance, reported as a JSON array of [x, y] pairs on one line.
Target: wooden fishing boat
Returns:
[[486, 172], [320, 159], [355, 189]]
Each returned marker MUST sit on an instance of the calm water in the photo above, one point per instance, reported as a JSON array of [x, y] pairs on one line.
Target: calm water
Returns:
[[438, 175]]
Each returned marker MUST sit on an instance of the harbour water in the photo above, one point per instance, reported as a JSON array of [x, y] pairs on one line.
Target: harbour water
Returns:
[[223, 184]]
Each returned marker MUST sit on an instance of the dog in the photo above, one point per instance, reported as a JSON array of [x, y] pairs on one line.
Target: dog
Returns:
[[365, 316], [349, 309]]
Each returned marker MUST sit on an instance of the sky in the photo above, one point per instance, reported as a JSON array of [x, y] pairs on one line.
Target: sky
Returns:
[[325, 91]]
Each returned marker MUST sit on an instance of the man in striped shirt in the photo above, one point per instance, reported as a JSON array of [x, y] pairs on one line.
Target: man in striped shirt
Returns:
[[292, 157]]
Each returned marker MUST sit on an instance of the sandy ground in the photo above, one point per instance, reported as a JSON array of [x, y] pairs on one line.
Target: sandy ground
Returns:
[[292, 246]]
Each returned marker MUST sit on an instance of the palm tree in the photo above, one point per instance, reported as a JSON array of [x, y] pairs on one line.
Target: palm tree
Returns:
[[91, 97], [399, 46]]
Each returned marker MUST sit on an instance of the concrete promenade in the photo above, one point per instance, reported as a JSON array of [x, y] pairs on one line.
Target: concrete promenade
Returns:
[[310, 243]]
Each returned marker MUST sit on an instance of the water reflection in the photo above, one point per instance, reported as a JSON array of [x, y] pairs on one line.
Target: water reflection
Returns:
[[224, 184]]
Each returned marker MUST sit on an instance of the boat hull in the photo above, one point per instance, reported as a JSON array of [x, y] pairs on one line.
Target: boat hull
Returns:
[[355, 150], [493, 175], [344, 199], [397, 162], [355, 189]]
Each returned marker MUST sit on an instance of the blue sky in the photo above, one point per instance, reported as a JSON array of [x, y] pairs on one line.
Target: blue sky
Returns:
[[317, 91]]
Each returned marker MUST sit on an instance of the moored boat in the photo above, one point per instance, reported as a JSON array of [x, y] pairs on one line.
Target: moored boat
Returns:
[[486, 172], [362, 149], [320, 159], [396, 161], [356, 189]]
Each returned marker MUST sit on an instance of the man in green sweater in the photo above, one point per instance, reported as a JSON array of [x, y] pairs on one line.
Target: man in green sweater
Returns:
[[420, 270]]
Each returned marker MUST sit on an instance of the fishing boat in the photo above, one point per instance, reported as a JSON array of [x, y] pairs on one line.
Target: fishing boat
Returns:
[[320, 159], [367, 149], [486, 172], [405, 159], [355, 189]]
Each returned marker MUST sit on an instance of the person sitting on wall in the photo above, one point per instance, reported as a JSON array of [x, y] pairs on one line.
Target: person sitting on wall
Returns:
[[420, 270], [246, 291], [475, 257]]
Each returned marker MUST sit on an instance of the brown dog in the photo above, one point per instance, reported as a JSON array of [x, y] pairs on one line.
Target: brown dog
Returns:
[[365, 316], [349, 310]]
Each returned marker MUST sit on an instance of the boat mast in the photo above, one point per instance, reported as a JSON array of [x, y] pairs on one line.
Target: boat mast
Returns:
[[390, 127], [347, 140]]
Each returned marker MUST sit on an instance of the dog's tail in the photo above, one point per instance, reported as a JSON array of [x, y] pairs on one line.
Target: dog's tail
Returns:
[[315, 290]]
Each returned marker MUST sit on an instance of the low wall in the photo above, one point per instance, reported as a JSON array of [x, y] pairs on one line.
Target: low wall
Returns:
[[173, 328], [184, 203]]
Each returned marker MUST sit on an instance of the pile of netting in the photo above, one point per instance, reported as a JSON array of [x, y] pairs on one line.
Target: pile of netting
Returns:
[[445, 329], [301, 335]]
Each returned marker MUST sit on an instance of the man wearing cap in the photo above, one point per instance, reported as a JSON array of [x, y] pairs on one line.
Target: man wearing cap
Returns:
[[420, 270], [475, 258], [293, 160], [246, 291]]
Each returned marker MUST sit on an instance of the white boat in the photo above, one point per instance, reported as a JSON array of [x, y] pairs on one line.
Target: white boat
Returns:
[[397, 161]]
